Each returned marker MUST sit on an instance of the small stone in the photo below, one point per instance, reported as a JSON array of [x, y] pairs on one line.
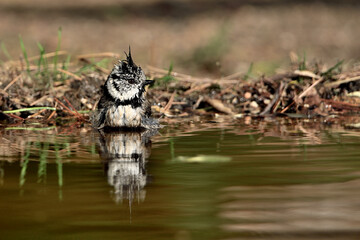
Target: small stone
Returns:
[[83, 101], [247, 95], [267, 101], [254, 104], [83, 130], [247, 120], [254, 107]]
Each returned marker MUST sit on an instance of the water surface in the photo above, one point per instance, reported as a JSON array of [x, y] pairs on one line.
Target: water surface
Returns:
[[227, 181]]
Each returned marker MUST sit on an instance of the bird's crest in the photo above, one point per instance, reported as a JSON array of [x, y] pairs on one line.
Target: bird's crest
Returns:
[[128, 65]]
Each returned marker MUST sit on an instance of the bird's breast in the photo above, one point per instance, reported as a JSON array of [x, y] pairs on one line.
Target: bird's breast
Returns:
[[124, 116]]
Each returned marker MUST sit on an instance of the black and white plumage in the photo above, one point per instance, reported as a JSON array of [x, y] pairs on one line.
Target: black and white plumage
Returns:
[[123, 103], [124, 155]]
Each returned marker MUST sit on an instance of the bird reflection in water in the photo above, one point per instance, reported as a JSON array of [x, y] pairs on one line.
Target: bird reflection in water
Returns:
[[124, 155]]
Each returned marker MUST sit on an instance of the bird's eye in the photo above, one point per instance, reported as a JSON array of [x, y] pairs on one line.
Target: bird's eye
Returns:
[[131, 80], [114, 76]]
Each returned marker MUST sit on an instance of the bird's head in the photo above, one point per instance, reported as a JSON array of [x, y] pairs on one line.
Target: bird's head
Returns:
[[127, 80]]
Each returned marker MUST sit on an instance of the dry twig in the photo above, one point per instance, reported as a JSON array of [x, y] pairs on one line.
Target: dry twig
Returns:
[[12, 82], [169, 104], [77, 114], [309, 88], [99, 55], [66, 108], [36, 114], [218, 105], [69, 74], [339, 82]]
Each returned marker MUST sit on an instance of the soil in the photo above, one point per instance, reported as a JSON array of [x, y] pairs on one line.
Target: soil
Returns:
[[311, 92]]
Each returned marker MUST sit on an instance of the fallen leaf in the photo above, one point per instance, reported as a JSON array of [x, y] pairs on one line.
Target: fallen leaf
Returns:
[[203, 158], [218, 105]]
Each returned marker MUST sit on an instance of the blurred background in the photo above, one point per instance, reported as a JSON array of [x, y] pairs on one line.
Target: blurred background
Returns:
[[199, 37]]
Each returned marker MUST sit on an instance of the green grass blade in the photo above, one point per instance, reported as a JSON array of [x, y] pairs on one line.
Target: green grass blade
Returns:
[[302, 66], [170, 68], [23, 49], [333, 68], [166, 79], [41, 59], [29, 109], [302, 63], [57, 50], [67, 62], [249, 71], [3, 47]]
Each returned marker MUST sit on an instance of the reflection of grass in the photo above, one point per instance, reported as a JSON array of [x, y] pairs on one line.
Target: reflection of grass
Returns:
[[43, 156], [59, 165], [24, 164], [44, 150], [93, 149], [2, 173], [67, 147], [172, 149]]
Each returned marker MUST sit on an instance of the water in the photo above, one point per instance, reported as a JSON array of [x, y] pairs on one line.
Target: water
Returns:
[[211, 181]]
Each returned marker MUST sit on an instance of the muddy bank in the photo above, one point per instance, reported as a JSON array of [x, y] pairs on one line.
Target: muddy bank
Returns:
[[305, 90]]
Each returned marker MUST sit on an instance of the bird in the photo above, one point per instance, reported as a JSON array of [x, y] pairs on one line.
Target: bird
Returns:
[[123, 103], [124, 155]]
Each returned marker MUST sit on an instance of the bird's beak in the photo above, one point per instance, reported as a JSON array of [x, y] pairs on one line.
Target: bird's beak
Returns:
[[147, 82]]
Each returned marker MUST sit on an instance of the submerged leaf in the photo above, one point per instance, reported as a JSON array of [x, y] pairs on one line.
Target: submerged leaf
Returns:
[[203, 158]]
